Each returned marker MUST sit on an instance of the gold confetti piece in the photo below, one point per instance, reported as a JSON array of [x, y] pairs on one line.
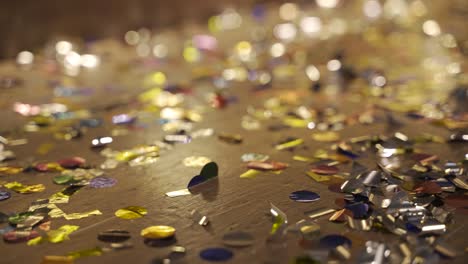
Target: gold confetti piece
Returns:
[[289, 144], [178, 193], [44, 148], [10, 170], [131, 212], [64, 195], [295, 122], [74, 216], [59, 198], [125, 156], [97, 251], [158, 232], [24, 189], [57, 260], [61, 234], [196, 161], [302, 158], [35, 241], [250, 174], [328, 136], [317, 177], [55, 212]]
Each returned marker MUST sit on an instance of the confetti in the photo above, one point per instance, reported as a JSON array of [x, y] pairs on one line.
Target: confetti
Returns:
[[158, 232], [304, 196], [265, 166], [131, 212], [24, 189], [63, 179], [329, 136], [250, 174], [4, 195], [97, 251], [199, 218], [289, 144], [280, 220], [72, 163], [208, 172], [102, 182], [216, 254], [61, 234], [178, 193], [81, 215], [324, 169], [10, 170]]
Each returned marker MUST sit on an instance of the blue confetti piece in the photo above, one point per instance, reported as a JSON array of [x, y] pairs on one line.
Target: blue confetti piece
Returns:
[[304, 196], [216, 254], [208, 172]]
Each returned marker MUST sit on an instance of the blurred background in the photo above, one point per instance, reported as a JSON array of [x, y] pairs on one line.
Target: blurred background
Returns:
[[28, 24]]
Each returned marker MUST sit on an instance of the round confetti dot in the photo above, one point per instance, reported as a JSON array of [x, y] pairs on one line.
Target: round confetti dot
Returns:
[[158, 232], [131, 212], [304, 196], [216, 254], [333, 241], [72, 163], [238, 239], [4, 195], [102, 182]]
